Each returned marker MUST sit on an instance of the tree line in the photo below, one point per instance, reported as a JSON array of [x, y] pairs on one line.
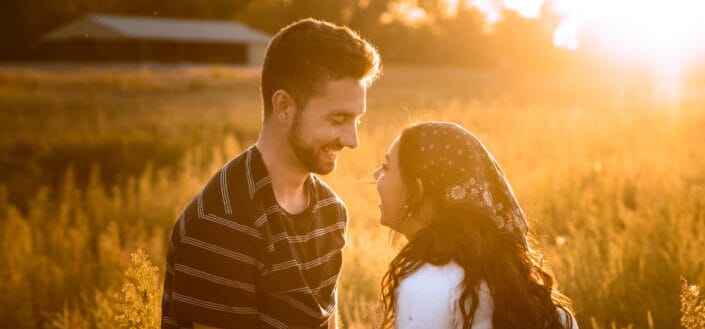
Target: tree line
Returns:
[[461, 39]]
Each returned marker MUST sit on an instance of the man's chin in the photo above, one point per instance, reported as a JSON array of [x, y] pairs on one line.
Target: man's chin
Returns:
[[325, 167]]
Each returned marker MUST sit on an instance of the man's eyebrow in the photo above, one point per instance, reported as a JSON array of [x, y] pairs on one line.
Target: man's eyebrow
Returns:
[[346, 114]]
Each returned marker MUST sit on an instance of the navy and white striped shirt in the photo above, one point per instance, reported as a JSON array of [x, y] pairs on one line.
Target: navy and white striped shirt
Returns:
[[237, 260]]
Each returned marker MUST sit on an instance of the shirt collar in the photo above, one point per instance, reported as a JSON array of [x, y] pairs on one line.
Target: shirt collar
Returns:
[[258, 178]]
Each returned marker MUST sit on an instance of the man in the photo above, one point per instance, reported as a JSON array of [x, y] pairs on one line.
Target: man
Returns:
[[260, 245]]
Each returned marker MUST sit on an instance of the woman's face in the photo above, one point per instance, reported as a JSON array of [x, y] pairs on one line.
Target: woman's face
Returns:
[[390, 188]]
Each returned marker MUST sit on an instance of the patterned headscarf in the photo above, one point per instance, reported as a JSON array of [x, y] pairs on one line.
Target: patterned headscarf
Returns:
[[460, 169]]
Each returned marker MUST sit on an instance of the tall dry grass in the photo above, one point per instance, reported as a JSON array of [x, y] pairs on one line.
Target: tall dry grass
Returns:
[[613, 182]]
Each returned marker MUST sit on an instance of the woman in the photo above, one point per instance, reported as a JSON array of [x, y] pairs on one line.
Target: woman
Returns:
[[467, 263]]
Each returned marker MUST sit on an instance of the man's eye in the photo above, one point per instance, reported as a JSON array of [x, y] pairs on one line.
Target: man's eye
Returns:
[[337, 121]]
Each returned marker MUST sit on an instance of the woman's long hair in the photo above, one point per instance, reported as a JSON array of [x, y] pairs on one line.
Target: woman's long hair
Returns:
[[522, 291]]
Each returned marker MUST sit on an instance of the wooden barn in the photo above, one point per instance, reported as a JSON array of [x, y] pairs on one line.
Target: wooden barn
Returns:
[[138, 39]]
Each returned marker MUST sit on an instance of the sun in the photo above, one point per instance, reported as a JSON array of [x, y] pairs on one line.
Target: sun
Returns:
[[659, 30], [665, 37]]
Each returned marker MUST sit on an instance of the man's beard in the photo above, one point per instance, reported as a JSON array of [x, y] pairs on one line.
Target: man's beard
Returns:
[[308, 155]]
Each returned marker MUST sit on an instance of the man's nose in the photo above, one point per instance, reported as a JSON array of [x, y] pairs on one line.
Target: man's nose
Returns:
[[350, 138], [375, 174]]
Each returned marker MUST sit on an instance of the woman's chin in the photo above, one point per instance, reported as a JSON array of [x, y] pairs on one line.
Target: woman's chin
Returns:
[[383, 221], [388, 225]]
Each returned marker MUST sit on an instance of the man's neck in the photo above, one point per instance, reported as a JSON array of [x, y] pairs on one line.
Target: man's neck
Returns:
[[285, 170]]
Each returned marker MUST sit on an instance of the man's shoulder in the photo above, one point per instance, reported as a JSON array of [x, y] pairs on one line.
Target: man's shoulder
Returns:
[[227, 194], [232, 175], [238, 164]]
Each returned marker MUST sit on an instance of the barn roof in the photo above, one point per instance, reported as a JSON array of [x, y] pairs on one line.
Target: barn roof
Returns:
[[112, 27]]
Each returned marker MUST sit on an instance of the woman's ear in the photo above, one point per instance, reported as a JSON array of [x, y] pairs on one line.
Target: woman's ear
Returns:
[[283, 106]]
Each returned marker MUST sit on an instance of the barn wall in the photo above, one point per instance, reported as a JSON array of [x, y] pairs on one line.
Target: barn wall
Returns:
[[143, 50]]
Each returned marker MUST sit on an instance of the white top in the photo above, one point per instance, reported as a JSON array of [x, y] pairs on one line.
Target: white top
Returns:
[[428, 299]]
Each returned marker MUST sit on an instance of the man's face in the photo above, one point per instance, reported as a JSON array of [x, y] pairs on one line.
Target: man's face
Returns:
[[327, 123]]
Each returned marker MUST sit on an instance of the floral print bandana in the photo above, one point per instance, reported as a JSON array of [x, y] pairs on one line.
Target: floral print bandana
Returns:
[[460, 168]]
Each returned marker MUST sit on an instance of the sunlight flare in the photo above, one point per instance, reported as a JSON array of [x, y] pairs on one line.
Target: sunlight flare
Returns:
[[663, 37]]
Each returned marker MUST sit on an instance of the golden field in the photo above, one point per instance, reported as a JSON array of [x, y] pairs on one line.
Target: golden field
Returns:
[[96, 162]]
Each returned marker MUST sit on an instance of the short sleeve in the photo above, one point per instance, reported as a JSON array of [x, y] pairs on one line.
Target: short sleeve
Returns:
[[213, 266]]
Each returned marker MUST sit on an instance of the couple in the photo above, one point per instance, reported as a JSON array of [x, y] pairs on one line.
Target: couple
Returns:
[[261, 245]]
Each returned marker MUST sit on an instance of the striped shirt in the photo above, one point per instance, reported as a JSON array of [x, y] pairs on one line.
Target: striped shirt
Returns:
[[236, 259]]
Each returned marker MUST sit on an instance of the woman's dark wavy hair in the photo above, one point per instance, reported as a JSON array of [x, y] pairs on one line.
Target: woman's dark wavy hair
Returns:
[[522, 291]]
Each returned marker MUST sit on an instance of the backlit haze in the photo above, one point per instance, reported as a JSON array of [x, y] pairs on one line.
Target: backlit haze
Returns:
[[664, 37]]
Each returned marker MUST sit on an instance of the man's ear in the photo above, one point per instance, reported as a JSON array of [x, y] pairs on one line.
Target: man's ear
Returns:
[[283, 106]]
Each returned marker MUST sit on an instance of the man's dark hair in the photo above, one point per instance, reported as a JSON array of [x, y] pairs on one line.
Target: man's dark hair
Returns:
[[308, 53]]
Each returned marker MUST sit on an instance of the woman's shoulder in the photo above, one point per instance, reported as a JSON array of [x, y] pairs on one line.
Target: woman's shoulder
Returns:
[[441, 284], [430, 294], [451, 270], [437, 276], [567, 317], [427, 295], [433, 280]]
